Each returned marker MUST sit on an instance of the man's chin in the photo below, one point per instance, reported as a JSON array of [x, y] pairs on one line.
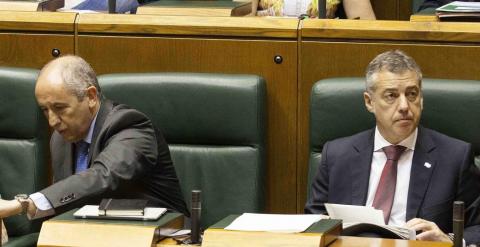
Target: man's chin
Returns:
[[67, 137], [405, 130]]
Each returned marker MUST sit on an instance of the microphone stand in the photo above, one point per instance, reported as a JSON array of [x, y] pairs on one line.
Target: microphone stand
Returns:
[[196, 212], [112, 6], [458, 215]]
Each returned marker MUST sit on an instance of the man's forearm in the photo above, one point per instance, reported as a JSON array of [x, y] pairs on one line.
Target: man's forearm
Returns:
[[9, 208]]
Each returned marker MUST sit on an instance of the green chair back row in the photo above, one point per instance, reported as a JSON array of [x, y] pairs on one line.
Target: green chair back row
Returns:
[[23, 148], [215, 127]]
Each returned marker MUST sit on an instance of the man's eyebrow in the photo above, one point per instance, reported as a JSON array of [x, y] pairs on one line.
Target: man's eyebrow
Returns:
[[413, 87]]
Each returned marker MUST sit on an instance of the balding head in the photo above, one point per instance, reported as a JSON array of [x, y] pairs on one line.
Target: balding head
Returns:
[[74, 72]]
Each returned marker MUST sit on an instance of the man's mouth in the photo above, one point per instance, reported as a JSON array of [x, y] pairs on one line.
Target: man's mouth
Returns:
[[404, 121]]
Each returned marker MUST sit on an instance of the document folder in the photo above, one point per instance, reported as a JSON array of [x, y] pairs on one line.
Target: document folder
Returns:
[[320, 234]]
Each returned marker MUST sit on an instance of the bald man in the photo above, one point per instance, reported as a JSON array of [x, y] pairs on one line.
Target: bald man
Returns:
[[99, 149]]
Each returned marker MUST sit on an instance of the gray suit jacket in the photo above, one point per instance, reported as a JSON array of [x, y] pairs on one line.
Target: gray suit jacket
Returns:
[[128, 158], [344, 172]]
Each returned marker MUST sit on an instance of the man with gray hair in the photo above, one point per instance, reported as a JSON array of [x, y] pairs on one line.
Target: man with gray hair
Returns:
[[411, 173], [99, 149]]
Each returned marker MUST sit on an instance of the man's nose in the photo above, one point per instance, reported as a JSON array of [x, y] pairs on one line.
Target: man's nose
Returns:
[[53, 119], [403, 103]]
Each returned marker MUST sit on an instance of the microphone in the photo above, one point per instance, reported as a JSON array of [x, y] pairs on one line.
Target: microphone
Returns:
[[322, 9], [112, 5], [458, 215], [196, 211]]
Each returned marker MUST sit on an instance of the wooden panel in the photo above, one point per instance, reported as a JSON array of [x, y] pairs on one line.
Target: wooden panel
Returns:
[[324, 59], [392, 9], [405, 9], [386, 10], [188, 25], [368, 242], [32, 50], [27, 38], [222, 238], [391, 30], [109, 54], [37, 21]]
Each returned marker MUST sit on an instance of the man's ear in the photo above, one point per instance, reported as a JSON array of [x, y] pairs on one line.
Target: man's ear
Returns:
[[368, 102], [92, 96]]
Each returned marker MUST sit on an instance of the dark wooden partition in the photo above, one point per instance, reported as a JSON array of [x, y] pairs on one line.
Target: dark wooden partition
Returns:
[[28, 38]]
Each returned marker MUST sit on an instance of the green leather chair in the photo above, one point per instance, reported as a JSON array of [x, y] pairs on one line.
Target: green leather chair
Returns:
[[415, 5], [215, 127], [23, 148], [451, 107]]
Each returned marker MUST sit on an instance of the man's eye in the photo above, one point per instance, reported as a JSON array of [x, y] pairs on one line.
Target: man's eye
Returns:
[[412, 95], [390, 96], [59, 108]]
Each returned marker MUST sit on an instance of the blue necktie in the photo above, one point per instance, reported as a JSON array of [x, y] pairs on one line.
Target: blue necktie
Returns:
[[82, 156]]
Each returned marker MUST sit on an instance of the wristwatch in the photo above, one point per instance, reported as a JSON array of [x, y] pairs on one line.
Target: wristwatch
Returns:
[[23, 200]]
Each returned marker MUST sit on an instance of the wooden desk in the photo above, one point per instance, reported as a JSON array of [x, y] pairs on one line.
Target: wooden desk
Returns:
[[344, 241], [66, 230], [424, 17]]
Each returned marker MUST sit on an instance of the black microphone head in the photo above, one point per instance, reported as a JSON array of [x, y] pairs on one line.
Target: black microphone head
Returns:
[[458, 210], [196, 198]]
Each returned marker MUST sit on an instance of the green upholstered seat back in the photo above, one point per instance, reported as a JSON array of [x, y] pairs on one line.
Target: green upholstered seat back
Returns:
[[416, 4], [337, 109], [215, 127], [23, 142]]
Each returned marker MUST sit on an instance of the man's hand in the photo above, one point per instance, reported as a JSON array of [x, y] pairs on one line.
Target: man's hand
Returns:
[[429, 230], [9, 208]]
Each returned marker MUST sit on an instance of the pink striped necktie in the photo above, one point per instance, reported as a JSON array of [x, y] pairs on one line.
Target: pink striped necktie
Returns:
[[386, 187]]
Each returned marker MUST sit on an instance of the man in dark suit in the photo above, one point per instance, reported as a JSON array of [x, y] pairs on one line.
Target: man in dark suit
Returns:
[[100, 149], [417, 186]]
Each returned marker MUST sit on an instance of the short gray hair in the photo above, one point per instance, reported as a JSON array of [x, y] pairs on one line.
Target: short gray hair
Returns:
[[76, 74], [395, 61]]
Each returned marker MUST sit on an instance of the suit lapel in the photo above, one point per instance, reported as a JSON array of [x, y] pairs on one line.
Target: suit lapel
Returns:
[[423, 165], [105, 108], [66, 166], [360, 168]]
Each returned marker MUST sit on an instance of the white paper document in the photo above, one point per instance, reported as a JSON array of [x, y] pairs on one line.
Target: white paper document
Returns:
[[349, 213], [91, 211], [288, 223], [359, 215]]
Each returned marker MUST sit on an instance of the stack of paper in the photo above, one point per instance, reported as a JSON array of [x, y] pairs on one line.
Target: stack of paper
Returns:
[[273, 222]]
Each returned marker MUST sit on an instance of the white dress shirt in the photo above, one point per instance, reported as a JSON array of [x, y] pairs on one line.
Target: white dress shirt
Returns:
[[399, 207]]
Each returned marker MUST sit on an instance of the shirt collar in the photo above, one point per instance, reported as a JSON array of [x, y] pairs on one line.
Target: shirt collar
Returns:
[[408, 142], [88, 138]]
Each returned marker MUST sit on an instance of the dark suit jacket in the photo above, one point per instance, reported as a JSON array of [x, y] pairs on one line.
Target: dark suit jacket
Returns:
[[344, 172], [128, 158], [438, 3]]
